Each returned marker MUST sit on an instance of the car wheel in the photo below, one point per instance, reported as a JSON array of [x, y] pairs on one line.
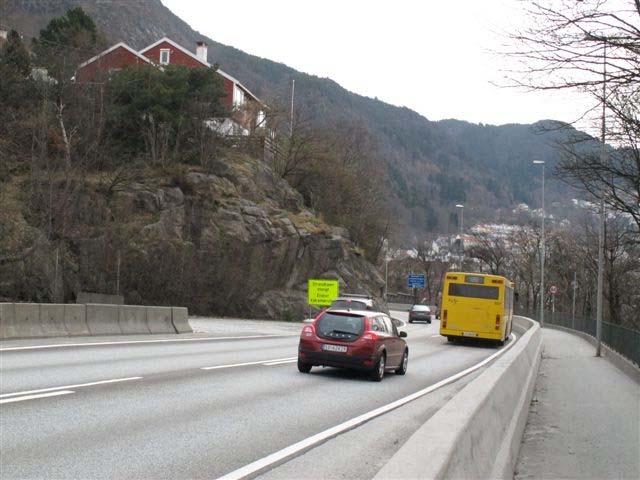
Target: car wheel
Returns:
[[304, 367], [410, 321], [402, 369], [378, 372], [429, 322]]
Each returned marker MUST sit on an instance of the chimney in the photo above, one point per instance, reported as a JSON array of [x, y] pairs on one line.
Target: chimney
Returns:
[[201, 51]]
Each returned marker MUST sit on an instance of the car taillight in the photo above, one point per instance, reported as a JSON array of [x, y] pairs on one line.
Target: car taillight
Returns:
[[307, 331], [498, 321], [370, 336]]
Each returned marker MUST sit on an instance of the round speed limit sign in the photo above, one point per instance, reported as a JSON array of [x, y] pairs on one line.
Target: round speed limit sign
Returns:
[[553, 290]]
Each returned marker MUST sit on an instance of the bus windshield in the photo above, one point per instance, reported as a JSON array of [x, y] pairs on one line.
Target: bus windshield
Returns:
[[473, 291]]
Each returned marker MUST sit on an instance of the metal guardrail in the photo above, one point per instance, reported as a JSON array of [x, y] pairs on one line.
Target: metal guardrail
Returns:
[[625, 341]]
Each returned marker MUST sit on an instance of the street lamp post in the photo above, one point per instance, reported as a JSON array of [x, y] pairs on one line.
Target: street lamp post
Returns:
[[461, 254], [542, 249]]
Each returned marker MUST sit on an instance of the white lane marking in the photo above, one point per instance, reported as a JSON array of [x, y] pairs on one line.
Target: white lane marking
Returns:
[[31, 397], [290, 451], [101, 382], [259, 362], [130, 342], [434, 336], [271, 364]]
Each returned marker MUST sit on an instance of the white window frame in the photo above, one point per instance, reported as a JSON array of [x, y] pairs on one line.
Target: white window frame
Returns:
[[168, 52], [238, 96]]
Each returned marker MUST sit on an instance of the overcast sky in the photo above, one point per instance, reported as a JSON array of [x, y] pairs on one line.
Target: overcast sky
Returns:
[[435, 57]]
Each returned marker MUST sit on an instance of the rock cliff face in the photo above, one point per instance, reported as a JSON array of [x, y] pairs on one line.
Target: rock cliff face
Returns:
[[264, 245], [232, 240]]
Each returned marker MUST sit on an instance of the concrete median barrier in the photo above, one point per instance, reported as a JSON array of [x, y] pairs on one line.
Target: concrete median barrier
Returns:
[[159, 320], [75, 319], [477, 434], [28, 320], [132, 319], [103, 319], [180, 319], [32, 320], [7, 320], [52, 319]]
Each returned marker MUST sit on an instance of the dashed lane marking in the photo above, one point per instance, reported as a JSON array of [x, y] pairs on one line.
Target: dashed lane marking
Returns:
[[245, 364], [64, 387], [33, 397]]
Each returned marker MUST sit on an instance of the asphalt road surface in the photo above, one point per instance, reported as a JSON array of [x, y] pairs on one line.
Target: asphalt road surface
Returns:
[[202, 408]]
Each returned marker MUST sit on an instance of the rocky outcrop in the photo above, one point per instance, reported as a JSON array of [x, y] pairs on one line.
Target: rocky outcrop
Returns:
[[259, 243], [234, 239]]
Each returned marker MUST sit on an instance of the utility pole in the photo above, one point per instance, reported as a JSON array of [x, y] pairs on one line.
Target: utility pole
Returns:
[[573, 306], [118, 274], [542, 249], [293, 90]]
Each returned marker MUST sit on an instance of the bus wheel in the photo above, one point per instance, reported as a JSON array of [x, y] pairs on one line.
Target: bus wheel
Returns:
[[450, 339]]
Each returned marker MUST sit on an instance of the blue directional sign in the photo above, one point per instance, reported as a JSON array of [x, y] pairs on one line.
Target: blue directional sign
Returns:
[[416, 280]]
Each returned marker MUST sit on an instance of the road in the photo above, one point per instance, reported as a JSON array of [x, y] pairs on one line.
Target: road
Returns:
[[199, 408]]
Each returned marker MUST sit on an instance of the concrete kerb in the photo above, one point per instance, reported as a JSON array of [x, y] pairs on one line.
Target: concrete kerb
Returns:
[[75, 319], [132, 319], [102, 319], [180, 319], [7, 320], [477, 434], [620, 361], [159, 320], [52, 319]]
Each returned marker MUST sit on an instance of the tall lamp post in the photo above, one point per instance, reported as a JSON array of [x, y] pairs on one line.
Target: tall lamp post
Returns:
[[542, 249], [461, 207], [603, 155]]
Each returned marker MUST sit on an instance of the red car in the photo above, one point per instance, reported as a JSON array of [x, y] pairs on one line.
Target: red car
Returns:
[[355, 339]]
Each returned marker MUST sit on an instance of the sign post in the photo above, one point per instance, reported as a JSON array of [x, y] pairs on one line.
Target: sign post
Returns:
[[414, 282], [321, 293], [553, 290]]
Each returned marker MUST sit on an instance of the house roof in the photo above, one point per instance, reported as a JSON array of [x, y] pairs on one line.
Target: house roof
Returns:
[[111, 49], [203, 62]]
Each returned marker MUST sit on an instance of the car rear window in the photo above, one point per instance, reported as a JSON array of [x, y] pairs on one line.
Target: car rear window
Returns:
[[473, 291], [340, 327], [349, 305], [420, 308]]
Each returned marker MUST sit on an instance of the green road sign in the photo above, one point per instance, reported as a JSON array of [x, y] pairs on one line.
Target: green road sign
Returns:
[[322, 292]]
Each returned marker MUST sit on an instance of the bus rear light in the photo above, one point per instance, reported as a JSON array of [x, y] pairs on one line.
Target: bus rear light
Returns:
[[444, 319], [499, 282], [451, 277], [498, 321]]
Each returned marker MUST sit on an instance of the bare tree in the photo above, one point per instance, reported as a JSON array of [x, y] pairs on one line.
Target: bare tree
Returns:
[[492, 252], [591, 46]]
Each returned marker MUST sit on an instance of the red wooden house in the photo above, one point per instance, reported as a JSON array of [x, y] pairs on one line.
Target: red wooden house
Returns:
[[247, 111]]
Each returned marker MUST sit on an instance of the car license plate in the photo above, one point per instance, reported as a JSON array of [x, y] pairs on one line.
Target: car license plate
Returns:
[[334, 348], [469, 334]]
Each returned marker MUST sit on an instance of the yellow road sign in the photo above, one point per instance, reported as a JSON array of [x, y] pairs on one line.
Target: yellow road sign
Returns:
[[322, 292]]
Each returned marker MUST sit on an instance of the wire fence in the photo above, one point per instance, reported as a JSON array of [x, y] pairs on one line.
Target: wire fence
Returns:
[[625, 341]]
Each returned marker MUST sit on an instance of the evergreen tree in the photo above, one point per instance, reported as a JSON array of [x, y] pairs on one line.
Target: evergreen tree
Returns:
[[15, 57], [66, 42]]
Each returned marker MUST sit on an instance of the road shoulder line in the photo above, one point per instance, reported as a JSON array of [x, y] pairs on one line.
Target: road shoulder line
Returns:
[[291, 451]]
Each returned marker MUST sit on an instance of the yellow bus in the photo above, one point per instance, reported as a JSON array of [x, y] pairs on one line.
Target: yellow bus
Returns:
[[476, 305]]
